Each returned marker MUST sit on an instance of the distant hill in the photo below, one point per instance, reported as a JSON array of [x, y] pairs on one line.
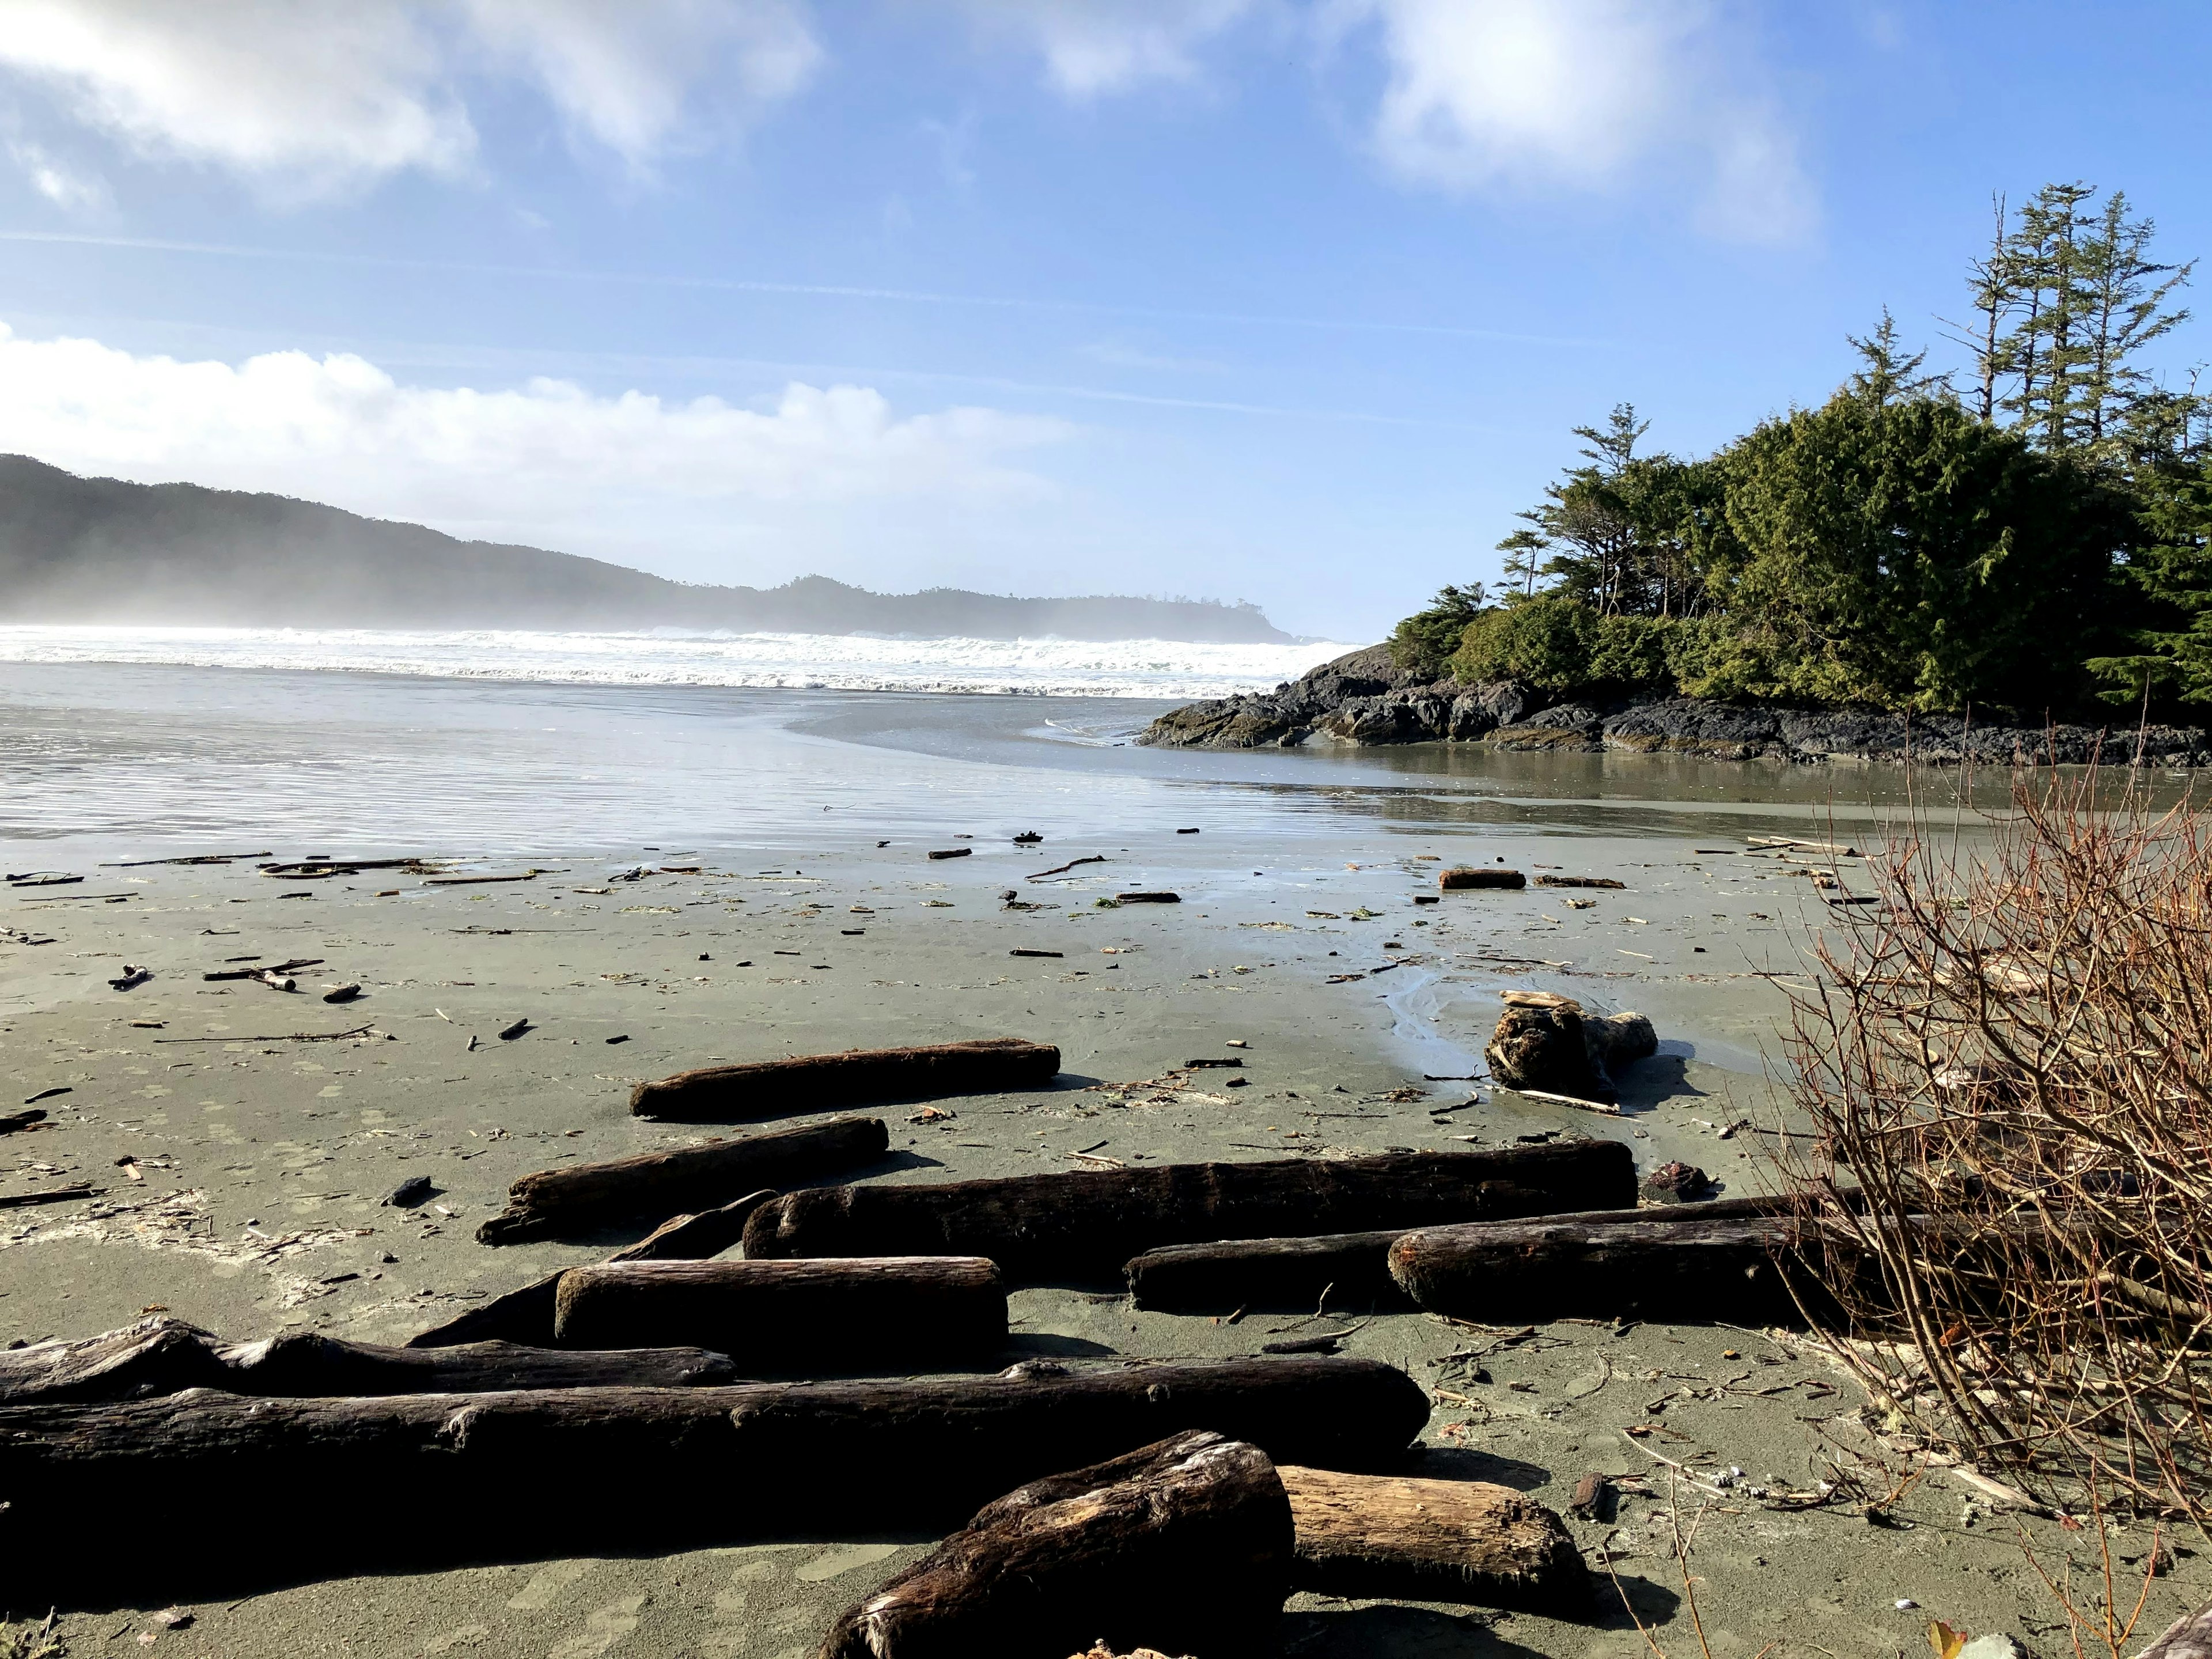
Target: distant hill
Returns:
[[102, 550]]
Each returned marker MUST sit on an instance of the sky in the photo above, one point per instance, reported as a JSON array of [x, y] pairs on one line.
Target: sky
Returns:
[[1293, 301]]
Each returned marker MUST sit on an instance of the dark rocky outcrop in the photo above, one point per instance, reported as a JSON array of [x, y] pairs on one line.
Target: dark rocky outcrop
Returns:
[[1366, 699]]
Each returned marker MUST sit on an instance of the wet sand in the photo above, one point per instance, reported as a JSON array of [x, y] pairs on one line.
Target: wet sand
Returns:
[[253, 1204]]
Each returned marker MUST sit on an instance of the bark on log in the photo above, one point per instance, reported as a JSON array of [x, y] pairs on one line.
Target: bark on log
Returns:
[[1432, 1540], [2189, 1637], [526, 1315], [1452, 881], [555, 1203], [791, 1318], [1183, 1546], [583, 1471], [1086, 1224], [863, 1077], [164, 1356], [1353, 1269], [1725, 1271]]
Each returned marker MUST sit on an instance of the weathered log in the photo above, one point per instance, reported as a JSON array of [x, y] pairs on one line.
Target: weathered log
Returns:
[[792, 1318], [1548, 880], [1352, 1270], [552, 1203], [163, 1356], [1721, 1271], [1432, 1540], [862, 1077], [2189, 1637], [1086, 1224], [1183, 1546], [1548, 1043], [582, 1471], [526, 1314], [1460, 879]]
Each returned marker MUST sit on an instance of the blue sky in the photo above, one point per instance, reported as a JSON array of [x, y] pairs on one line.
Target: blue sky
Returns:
[[1290, 300]]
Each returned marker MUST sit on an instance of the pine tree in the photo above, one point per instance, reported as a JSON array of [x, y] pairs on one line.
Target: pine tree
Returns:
[[1891, 373], [2126, 294], [1994, 290]]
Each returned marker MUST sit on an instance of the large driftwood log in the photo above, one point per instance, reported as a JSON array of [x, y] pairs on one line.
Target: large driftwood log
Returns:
[[860, 1077], [1550, 1043], [1352, 1270], [583, 1471], [1432, 1540], [550, 1203], [1727, 1271], [788, 1318], [526, 1314], [163, 1356], [1086, 1224], [1183, 1546], [2189, 1637]]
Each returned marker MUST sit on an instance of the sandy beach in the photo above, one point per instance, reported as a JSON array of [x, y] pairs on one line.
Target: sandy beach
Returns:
[[240, 1168]]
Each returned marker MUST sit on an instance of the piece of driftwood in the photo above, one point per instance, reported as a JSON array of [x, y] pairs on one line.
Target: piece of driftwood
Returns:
[[792, 1318], [860, 1077], [2189, 1637], [1550, 880], [1159, 897], [585, 1471], [1062, 869], [526, 1314], [1183, 1546], [555, 1203], [162, 1356], [260, 973], [951, 853], [1352, 1270], [1728, 1272], [15, 1122], [1086, 1224], [1459, 880], [1432, 1540], [1546, 1043], [50, 1195]]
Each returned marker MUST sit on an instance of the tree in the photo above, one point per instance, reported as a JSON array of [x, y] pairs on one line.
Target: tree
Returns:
[[1424, 641], [1892, 372]]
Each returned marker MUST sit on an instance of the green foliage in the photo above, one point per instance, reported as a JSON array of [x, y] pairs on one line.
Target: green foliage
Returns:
[[1557, 642], [1424, 641]]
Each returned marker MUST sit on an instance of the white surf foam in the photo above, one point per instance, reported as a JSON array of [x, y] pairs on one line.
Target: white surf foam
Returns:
[[1113, 668]]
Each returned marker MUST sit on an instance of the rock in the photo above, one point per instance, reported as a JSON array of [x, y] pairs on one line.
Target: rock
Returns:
[[416, 1189], [1677, 1183]]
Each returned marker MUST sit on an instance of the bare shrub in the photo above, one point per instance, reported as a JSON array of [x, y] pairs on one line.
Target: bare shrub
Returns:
[[2010, 1057]]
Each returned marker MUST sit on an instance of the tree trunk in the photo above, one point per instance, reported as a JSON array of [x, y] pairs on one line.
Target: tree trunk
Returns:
[[1086, 1224], [1351, 1269], [1432, 1540], [861, 1077], [432, 1480], [788, 1318], [164, 1356], [526, 1315], [1183, 1546], [1703, 1271], [556, 1203]]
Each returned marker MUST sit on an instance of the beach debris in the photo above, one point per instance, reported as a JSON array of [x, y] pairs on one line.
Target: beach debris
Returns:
[[1036, 953], [50, 1195], [279, 969], [413, 1191], [1401, 1539], [1185, 1544], [44, 879], [508, 1033], [551, 1203], [48, 1094], [1186, 832], [792, 1318], [2189, 1637], [132, 977], [1427, 898], [1466, 875], [1028, 838], [814, 1083], [1593, 1498], [849, 1458], [1062, 869], [1545, 1042], [479, 881], [1089, 1222], [1579, 881], [16, 1122], [1834, 849], [953, 852], [1677, 1183], [342, 992], [1162, 897]]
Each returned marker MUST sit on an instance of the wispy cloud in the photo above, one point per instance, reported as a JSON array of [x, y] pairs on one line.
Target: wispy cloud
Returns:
[[1093, 48]]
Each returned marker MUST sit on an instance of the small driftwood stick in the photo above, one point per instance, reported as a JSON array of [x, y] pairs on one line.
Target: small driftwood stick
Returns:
[[790, 1318], [552, 1203], [1086, 1224], [862, 1077], [1183, 1546], [1432, 1540]]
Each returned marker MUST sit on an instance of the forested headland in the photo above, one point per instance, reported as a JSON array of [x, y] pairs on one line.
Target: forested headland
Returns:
[[2025, 536]]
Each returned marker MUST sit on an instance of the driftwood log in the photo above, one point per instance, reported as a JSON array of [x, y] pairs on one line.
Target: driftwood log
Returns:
[[1732, 1272], [526, 1315], [2189, 1637], [861, 1077], [1550, 1043], [584, 1471], [1183, 1546], [1432, 1540], [1352, 1270], [163, 1356], [789, 1318], [1463, 876], [1086, 1224], [557, 1203]]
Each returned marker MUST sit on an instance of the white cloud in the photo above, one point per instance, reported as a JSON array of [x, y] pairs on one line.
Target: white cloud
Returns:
[[313, 96], [56, 181], [1528, 94], [547, 461], [1091, 47]]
